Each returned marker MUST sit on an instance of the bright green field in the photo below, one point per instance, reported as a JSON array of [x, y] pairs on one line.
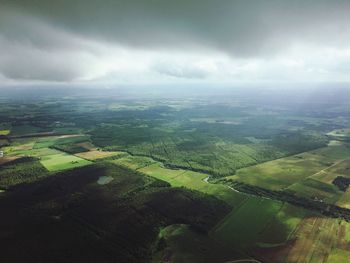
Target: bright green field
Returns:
[[4, 132], [51, 159], [181, 178], [193, 180], [62, 161]]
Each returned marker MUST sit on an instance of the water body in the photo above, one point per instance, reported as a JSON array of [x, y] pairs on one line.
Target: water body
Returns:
[[104, 180]]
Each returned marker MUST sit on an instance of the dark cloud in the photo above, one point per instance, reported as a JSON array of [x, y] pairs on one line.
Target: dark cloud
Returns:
[[240, 27], [51, 36]]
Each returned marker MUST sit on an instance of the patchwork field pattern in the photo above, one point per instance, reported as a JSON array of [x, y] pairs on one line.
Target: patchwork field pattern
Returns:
[[148, 178], [309, 174]]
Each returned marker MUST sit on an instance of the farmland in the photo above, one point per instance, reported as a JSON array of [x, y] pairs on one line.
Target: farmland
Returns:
[[62, 161], [308, 174], [157, 179]]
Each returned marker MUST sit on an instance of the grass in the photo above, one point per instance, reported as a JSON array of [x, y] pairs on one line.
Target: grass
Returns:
[[344, 200], [276, 221], [282, 226], [51, 159], [339, 168], [62, 161], [312, 188], [4, 132], [292, 171], [19, 145], [19, 151], [241, 228], [182, 244], [338, 256], [193, 180]]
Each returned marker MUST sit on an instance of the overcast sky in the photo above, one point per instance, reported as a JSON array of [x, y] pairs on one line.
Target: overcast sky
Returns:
[[174, 41]]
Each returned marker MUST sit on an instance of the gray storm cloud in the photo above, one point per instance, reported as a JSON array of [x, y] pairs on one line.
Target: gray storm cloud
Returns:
[[50, 40]]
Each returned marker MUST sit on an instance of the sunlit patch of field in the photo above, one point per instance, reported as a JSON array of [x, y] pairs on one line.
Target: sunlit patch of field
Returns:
[[62, 161], [339, 256], [4, 132], [340, 133], [19, 145], [334, 143], [96, 154], [188, 179]]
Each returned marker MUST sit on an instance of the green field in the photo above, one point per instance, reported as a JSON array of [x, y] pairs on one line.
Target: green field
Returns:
[[182, 244], [242, 227], [51, 159], [300, 173], [62, 161], [4, 132], [192, 180]]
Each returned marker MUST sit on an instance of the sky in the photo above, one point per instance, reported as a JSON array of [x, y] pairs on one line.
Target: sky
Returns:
[[166, 41]]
